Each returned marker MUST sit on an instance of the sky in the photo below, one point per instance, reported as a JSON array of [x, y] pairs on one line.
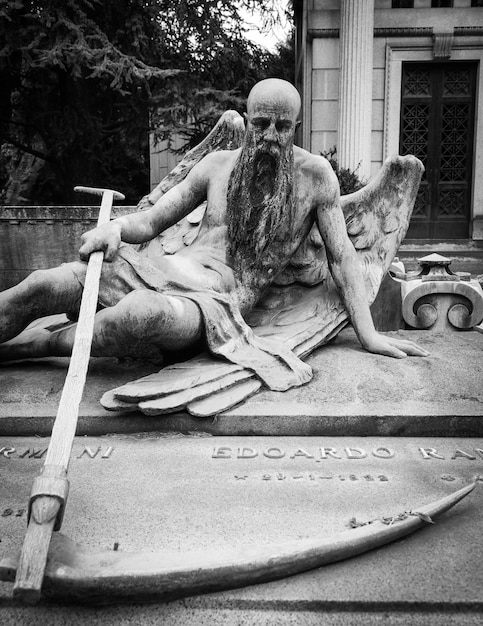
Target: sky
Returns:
[[267, 39]]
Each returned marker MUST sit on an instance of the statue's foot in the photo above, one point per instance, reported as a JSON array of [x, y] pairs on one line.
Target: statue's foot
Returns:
[[30, 344]]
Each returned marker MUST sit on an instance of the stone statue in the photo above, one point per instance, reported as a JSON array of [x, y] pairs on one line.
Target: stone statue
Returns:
[[272, 216]]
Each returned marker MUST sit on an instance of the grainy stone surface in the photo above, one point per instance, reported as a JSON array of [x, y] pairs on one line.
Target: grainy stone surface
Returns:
[[352, 393], [153, 492], [165, 490]]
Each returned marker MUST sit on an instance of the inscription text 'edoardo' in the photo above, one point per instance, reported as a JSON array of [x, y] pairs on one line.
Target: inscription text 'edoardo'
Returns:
[[275, 452], [320, 453]]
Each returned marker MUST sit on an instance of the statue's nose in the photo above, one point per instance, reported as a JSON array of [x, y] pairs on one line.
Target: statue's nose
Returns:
[[270, 133]]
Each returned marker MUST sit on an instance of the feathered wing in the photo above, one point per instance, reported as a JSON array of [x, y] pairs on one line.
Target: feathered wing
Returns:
[[377, 217], [227, 134], [303, 308]]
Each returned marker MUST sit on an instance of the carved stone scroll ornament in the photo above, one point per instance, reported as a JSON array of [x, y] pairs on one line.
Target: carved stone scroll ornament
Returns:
[[438, 299], [443, 44]]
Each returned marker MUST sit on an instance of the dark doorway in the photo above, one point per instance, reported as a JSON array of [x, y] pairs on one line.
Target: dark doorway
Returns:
[[437, 122]]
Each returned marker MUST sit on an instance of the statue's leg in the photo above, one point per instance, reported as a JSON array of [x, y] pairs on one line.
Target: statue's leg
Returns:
[[143, 324], [44, 292]]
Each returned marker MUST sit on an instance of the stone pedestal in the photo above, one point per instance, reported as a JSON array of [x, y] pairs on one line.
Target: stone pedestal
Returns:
[[352, 393], [355, 95], [154, 493], [371, 437]]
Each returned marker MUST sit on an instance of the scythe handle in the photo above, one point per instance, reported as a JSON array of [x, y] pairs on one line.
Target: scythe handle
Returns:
[[96, 191], [47, 504]]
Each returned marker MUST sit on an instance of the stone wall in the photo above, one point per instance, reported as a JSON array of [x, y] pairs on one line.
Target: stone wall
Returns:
[[35, 237]]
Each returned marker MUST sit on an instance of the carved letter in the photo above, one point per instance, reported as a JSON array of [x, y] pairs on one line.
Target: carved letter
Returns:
[[221, 452], [246, 453], [479, 451], [325, 452], [34, 454], [430, 453], [463, 454], [301, 452], [89, 452], [383, 453], [7, 451], [37, 454], [107, 453], [355, 453], [274, 453]]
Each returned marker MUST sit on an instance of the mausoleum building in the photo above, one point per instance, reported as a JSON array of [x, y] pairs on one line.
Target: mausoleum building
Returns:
[[380, 77]]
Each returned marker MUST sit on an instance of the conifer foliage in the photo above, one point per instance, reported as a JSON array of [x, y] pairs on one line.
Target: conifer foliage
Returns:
[[83, 81]]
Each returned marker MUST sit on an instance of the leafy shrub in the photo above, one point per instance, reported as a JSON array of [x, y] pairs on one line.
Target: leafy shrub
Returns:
[[349, 181]]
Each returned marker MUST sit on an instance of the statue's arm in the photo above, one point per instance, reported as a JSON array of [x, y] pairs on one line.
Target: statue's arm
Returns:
[[145, 225], [346, 271]]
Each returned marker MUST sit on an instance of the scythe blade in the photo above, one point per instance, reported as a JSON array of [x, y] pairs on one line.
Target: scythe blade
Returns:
[[77, 573]]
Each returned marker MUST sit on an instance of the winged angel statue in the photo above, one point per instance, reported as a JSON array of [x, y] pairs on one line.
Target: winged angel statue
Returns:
[[301, 308], [241, 252]]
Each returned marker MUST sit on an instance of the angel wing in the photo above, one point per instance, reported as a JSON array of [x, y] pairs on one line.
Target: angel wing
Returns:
[[303, 308], [227, 134]]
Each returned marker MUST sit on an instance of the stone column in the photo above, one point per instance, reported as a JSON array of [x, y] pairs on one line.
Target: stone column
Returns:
[[355, 86]]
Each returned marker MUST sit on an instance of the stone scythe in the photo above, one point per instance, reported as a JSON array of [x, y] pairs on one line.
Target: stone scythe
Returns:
[[50, 489], [77, 573]]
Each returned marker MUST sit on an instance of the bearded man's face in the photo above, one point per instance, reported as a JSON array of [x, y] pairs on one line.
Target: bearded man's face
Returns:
[[270, 127], [260, 191], [268, 142]]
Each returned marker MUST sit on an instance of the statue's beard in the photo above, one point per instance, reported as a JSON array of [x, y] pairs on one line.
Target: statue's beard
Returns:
[[260, 199]]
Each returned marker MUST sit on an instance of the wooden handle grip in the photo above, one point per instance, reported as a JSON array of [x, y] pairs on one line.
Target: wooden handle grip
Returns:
[[97, 191]]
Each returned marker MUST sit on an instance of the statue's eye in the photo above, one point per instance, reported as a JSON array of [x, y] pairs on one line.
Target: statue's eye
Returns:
[[261, 123], [282, 125]]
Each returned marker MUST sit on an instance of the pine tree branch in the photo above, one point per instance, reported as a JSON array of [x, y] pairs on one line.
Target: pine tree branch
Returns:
[[27, 149]]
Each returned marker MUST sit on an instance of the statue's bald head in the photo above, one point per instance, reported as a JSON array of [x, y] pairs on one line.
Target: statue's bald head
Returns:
[[274, 92]]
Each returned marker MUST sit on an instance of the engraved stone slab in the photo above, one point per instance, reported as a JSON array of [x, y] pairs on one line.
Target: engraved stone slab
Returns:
[[148, 493]]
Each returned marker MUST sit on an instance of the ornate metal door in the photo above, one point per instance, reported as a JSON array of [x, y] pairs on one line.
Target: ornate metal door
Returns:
[[437, 121]]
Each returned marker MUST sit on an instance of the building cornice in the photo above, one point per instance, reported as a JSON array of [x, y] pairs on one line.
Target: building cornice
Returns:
[[334, 33]]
